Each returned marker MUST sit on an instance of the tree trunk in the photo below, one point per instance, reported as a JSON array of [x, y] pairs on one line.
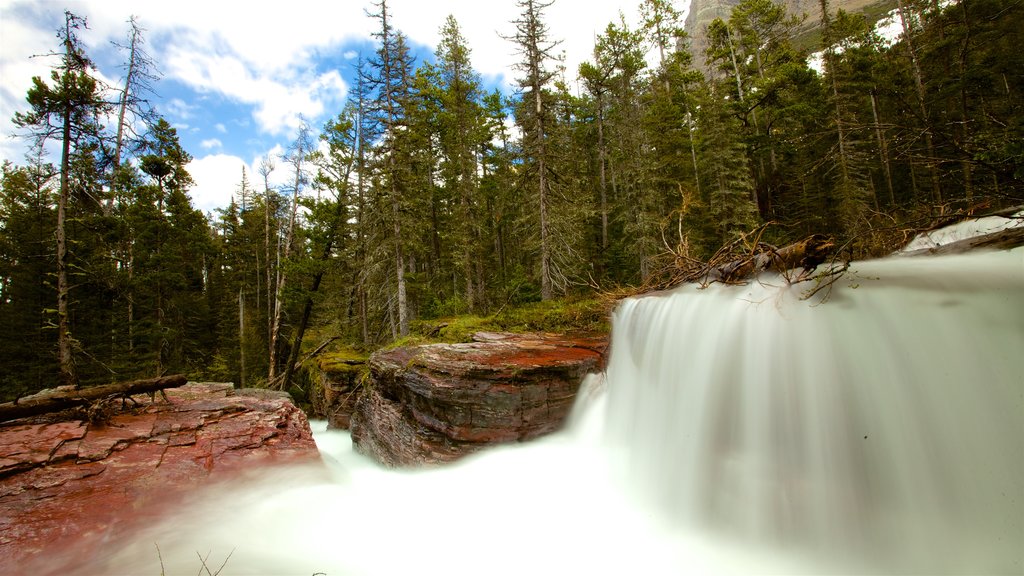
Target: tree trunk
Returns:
[[241, 337], [108, 209], [546, 292], [282, 275], [307, 309], [883, 149], [68, 374], [68, 396], [919, 91]]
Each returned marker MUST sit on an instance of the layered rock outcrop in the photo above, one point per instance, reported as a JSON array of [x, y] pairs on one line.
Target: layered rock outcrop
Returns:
[[435, 403], [69, 483]]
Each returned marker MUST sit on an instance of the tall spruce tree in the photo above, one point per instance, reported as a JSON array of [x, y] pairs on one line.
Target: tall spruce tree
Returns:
[[534, 117], [390, 78], [67, 109]]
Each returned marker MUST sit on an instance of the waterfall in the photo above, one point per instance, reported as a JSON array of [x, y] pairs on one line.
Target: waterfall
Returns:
[[879, 424], [875, 427]]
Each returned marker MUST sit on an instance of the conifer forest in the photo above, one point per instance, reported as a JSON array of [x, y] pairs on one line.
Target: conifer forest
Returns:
[[427, 196]]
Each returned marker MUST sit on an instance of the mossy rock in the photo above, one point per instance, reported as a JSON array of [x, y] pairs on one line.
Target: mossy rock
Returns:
[[342, 360]]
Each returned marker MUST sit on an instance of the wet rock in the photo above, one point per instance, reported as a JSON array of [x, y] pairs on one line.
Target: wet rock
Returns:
[[67, 483], [435, 403]]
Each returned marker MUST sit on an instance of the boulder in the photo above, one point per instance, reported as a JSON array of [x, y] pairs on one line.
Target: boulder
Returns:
[[435, 403], [67, 483]]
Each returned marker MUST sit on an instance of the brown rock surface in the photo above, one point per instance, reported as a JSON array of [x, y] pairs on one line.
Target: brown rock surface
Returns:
[[435, 403], [71, 483]]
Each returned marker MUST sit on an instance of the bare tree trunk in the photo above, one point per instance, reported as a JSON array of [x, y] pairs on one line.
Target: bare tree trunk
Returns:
[[307, 309], [602, 154], [403, 311], [122, 109], [919, 91], [693, 153], [282, 275], [68, 374], [241, 337], [546, 291], [829, 56], [266, 167], [883, 149]]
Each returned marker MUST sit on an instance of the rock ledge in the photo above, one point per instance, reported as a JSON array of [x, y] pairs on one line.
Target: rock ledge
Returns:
[[435, 403], [67, 483]]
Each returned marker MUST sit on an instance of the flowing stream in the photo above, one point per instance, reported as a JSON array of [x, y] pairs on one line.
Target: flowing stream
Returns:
[[877, 427]]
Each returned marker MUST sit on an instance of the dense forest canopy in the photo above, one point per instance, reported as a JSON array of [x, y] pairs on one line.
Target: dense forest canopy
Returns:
[[427, 195]]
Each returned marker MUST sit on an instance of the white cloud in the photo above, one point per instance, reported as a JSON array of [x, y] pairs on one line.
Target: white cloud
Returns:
[[211, 143], [218, 177], [267, 58], [278, 100], [177, 109]]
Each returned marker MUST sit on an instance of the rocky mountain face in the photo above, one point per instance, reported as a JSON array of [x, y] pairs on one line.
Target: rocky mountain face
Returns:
[[703, 12]]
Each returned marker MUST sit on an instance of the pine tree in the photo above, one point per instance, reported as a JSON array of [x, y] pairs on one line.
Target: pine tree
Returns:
[[462, 129], [66, 109], [390, 77], [534, 117], [27, 199]]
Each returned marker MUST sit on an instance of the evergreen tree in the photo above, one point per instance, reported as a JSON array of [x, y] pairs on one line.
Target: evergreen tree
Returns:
[[461, 130], [534, 118], [27, 197], [66, 109], [390, 78]]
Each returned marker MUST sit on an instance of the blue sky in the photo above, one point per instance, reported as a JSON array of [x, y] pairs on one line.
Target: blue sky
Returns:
[[237, 76]]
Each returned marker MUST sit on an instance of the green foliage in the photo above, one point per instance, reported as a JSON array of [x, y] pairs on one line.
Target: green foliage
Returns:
[[427, 219], [562, 316]]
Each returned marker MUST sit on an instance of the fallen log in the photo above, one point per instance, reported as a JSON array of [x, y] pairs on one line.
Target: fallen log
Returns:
[[64, 397], [807, 254]]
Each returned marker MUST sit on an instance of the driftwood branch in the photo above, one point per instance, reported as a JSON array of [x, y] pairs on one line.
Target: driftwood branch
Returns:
[[68, 397], [807, 254], [278, 381]]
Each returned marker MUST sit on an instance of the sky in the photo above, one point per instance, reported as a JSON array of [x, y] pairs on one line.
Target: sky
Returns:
[[236, 77]]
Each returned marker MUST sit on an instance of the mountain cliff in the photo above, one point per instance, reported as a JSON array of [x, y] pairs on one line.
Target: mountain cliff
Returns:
[[703, 12]]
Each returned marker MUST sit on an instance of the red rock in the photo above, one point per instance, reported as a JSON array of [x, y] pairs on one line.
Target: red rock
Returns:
[[75, 484], [438, 402]]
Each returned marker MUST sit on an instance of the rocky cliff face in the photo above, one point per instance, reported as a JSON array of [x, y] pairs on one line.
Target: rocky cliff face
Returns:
[[435, 403], [703, 12], [75, 484], [336, 379]]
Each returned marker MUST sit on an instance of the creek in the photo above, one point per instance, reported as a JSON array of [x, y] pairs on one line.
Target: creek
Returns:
[[876, 427]]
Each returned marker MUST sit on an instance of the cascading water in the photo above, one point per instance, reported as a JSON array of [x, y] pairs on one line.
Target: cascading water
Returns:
[[882, 429], [737, 430]]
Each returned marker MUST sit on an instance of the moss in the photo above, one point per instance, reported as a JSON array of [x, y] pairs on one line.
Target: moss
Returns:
[[561, 316], [568, 316], [341, 360], [410, 340]]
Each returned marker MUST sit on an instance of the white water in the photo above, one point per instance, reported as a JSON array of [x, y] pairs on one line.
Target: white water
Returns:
[[739, 430]]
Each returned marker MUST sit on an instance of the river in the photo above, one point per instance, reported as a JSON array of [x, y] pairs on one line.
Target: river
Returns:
[[876, 427]]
